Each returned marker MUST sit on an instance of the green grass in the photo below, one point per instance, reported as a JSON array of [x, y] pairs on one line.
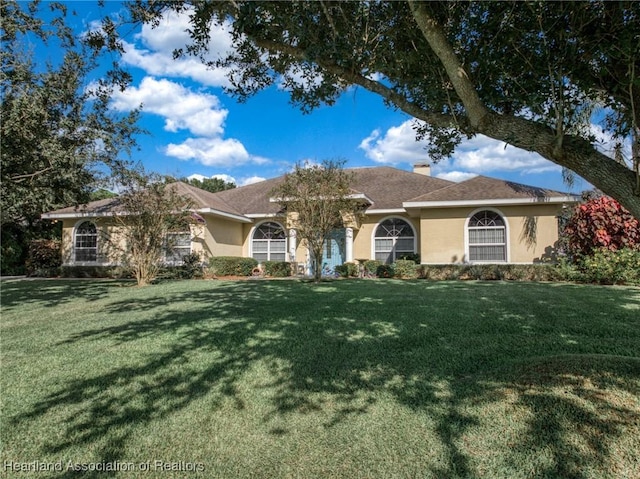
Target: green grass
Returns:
[[353, 379]]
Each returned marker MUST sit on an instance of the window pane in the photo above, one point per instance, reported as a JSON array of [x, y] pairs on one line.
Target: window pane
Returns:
[[177, 246], [86, 255], [490, 235], [384, 257], [260, 247], [404, 245], [486, 218], [487, 253], [278, 246], [384, 244]]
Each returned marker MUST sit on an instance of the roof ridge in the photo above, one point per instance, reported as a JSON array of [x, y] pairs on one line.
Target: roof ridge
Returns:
[[201, 195]]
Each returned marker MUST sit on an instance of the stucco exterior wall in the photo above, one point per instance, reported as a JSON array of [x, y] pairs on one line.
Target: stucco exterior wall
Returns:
[[363, 237], [110, 241], [219, 237], [532, 232]]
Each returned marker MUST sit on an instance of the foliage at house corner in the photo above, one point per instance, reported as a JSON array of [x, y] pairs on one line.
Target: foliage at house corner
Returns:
[[603, 242], [56, 133], [601, 223]]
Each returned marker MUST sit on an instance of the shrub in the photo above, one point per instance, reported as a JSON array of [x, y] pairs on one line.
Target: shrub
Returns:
[[491, 272], [348, 270], [415, 257], [611, 267], [371, 266], [232, 266], [191, 266], [601, 223], [405, 269], [385, 271], [276, 269], [44, 258]]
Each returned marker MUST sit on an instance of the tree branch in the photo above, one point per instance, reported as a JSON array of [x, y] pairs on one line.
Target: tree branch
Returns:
[[438, 42], [437, 119]]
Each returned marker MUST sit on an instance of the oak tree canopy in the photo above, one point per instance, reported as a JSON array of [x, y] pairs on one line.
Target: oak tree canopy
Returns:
[[536, 75]]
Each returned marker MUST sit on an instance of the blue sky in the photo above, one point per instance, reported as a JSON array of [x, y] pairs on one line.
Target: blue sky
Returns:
[[195, 129]]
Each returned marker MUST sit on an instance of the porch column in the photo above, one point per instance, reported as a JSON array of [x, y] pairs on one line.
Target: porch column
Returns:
[[293, 244], [348, 246]]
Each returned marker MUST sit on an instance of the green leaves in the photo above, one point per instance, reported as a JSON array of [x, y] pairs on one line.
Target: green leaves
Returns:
[[56, 133]]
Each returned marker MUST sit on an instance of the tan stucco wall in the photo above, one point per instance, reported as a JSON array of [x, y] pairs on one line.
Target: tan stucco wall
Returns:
[[363, 237], [110, 240], [220, 237], [443, 238], [440, 235]]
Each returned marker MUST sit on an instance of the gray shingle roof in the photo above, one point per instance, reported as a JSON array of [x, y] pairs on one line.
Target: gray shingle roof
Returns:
[[387, 188], [485, 188]]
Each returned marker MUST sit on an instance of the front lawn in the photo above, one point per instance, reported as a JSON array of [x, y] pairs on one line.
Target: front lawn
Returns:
[[353, 379]]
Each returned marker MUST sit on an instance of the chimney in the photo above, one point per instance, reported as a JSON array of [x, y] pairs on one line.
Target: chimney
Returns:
[[422, 169]]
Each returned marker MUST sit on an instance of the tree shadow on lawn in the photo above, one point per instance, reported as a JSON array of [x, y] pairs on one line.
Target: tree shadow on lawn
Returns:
[[54, 292], [441, 354]]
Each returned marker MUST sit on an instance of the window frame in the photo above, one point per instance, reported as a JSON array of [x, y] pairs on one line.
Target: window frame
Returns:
[[392, 251], [166, 249], [268, 241], [467, 240], [77, 248]]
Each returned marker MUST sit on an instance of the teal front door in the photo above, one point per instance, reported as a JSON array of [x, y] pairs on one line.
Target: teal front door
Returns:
[[334, 251]]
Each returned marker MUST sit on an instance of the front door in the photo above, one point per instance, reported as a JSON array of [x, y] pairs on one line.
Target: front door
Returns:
[[334, 251]]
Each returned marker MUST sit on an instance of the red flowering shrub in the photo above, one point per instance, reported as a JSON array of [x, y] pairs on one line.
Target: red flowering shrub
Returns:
[[601, 223]]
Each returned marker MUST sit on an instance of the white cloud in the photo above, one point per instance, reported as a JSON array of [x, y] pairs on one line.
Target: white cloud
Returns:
[[199, 113], [210, 151], [251, 180], [183, 109], [480, 155], [397, 145], [456, 176], [158, 44]]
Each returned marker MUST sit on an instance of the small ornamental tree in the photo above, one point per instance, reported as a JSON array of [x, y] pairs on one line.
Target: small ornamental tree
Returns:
[[320, 195], [151, 209], [601, 223]]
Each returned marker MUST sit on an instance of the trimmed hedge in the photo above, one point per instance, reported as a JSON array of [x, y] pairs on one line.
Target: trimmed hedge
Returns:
[[371, 266], [232, 266], [276, 269], [405, 269], [348, 270], [491, 272]]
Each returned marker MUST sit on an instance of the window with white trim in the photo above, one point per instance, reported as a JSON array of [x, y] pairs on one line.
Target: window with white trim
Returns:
[[269, 243], [85, 243], [393, 239], [487, 237], [177, 245]]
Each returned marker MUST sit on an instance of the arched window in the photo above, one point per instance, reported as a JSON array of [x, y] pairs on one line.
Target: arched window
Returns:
[[487, 235], [86, 242], [394, 238], [269, 242]]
